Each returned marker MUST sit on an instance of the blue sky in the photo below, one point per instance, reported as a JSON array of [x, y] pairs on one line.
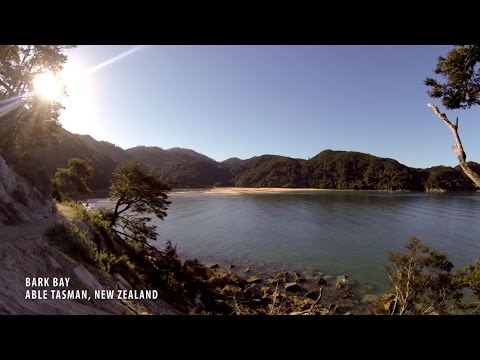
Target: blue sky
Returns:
[[243, 101]]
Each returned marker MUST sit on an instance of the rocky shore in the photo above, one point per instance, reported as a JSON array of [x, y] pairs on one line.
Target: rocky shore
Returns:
[[284, 293]]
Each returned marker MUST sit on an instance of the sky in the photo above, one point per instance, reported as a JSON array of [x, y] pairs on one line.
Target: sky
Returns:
[[245, 101]]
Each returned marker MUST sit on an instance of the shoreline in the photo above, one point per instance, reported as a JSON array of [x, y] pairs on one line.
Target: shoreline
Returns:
[[266, 190], [272, 190]]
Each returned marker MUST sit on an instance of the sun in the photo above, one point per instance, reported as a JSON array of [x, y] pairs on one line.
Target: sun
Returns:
[[48, 86], [79, 114]]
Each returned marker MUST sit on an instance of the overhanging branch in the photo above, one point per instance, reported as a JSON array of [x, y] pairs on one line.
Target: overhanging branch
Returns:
[[458, 147]]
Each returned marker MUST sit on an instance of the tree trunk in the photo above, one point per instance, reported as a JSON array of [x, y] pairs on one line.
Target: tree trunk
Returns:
[[458, 148]]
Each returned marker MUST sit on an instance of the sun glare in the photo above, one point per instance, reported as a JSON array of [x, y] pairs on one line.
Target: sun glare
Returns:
[[79, 113], [48, 86]]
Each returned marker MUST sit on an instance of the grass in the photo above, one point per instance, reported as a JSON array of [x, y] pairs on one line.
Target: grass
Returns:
[[79, 245], [73, 241]]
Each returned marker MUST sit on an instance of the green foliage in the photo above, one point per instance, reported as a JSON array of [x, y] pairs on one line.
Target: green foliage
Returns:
[[182, 167], [137, 191], [421, 280], [74, 242], [269, 171], [353, 170], [27, 121], [461, 73], [328, 170], [469, 277], [79, 245], [449, 179], [75, 175]]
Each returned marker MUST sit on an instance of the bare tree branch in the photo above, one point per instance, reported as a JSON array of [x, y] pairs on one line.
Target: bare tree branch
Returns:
[[458, 148], [316, 301]]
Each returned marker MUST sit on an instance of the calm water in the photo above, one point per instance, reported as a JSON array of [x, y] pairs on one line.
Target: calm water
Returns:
[[333, 232]]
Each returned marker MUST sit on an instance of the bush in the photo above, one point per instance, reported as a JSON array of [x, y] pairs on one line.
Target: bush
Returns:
[[421, 280], [73, 241], [469, 278]]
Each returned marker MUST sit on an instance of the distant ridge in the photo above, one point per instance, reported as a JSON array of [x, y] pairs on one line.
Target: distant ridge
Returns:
[[329, 169]]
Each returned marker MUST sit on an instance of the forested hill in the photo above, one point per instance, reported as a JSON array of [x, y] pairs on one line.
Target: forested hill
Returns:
[[186, 168], [183, 167]]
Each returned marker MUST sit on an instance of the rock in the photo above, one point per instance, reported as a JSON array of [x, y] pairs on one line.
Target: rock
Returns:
[[289, 277], [344, 279], [312, 295], [328, 277], [253, 291], [273, 281], [247, 270], [212, 266], [299, 278], [220, 280], [344, 282], [293, 287], [232, 266], [369, 298], [86, 277], [254, 280], [234, 279], [232, 290], [286, 276], [198, 270], [321, 282]]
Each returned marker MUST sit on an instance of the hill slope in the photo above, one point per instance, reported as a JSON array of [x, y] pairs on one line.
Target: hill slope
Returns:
[[181, 167]]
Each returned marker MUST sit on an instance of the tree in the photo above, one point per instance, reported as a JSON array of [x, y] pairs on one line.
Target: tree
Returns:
[[461, 90], [25, 118], [137, 191], [469, 277], [421, 280], [75, 174]]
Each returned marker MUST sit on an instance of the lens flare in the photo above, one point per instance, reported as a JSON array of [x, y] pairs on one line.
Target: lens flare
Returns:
[[48, 86]]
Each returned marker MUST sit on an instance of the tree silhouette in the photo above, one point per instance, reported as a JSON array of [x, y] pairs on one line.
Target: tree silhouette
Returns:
[[137, 192]]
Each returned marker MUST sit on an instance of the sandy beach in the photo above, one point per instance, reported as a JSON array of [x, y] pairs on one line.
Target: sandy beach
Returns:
[[240, 190]]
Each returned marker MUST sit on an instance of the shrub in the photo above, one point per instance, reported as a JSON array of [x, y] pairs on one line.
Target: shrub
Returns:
[[469, 278], [421, 280], [73, 241]]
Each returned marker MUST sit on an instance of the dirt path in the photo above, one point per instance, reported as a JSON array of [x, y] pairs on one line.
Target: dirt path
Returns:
[[24, 253]]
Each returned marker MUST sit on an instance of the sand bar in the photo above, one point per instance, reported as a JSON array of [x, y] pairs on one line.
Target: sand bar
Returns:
[[241, 190]]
